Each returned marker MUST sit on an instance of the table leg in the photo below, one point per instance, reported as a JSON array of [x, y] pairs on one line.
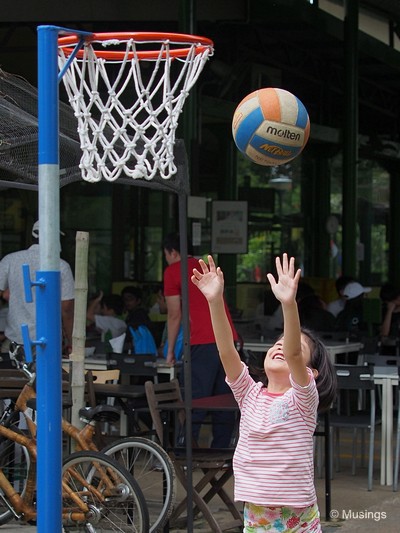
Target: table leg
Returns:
[[384, 433], [389, 433]]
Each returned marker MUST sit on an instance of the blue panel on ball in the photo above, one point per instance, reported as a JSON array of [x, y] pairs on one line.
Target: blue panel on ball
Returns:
[[247, 128], [277, 151], [302, 115]]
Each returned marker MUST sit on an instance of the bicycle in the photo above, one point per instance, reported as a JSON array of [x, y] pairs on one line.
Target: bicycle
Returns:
[[96, 490], [147, 461]]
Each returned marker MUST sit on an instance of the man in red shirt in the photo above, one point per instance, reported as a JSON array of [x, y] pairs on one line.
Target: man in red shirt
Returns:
[[208, 377]]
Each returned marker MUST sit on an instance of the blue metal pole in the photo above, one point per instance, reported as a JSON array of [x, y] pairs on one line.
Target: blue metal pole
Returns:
[[48, 296]]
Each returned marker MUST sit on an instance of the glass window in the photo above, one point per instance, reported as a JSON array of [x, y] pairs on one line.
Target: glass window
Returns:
[[275, 219]]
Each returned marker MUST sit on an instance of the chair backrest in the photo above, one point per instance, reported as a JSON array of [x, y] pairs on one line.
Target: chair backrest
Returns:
[[354, 377], [381, 360], [106, 376], [163, 393], [12, 380], [132, 364], [355, 390]]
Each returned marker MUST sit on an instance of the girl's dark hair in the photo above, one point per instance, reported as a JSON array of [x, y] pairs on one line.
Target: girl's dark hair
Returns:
[[326, 380]]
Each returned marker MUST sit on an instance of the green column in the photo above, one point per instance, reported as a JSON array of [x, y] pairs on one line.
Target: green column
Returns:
[[188, 122], [350, 138], [394, 229]]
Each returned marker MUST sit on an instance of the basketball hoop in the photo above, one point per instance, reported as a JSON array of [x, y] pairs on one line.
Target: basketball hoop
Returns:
[[127, 91]]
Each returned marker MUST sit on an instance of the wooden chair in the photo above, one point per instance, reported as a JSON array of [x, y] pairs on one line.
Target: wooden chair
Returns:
[[103, 376], [215, 465]]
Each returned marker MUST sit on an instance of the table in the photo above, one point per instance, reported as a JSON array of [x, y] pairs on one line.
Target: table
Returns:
[[99, 362], [387, 377], [126, 396], [333, 348]]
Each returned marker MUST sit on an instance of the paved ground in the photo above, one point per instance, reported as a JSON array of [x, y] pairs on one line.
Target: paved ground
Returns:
[[357, 509], [353, 507]]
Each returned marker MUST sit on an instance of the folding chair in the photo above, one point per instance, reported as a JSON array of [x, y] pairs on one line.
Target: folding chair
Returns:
[[135, 369], [132, 366], [359, 411], [381, 360], [397, 449], [215, 465]]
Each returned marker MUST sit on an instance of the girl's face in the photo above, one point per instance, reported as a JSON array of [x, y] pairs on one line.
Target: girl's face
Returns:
[[275, 359]]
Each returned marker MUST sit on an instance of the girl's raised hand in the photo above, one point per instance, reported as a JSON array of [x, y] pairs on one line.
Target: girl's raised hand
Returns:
[[285, 288], [210, 281]]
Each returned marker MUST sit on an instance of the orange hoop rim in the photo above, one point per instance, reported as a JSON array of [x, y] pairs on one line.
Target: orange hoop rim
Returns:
[[203, 44]]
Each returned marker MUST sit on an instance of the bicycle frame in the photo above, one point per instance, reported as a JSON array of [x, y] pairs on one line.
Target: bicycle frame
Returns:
[[84, 440], [23, 505]]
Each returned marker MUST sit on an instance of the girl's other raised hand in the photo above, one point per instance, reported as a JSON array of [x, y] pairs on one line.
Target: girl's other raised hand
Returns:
[[285, 288], [210, 281]]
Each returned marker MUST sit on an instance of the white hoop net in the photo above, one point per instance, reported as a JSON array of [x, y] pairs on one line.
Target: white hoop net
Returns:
[[128, 109]]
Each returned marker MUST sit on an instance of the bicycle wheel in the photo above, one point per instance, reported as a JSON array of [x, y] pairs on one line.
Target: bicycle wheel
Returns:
[[15, 463], [152, 468], [99, 495]]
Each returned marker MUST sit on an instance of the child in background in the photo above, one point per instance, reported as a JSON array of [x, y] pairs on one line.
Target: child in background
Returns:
[[273, 462]]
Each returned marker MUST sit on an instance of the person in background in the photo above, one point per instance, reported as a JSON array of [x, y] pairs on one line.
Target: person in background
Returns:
[[390, 327], [312, 311], [274, 457], [313, 314], [208, 378], [159, 307], [351, 319], [336, 306], [136, 314], [105, 305], [21, 312], [105, 315]]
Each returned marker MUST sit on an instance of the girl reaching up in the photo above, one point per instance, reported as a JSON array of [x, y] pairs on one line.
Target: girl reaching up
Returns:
[[273, 461]]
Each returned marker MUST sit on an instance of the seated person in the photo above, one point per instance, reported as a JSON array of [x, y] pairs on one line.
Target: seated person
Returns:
[[390, 296], [313, 314], [159, 307], [351, 318], [390, 327], [104, 316], [136, 314], [337, 305]]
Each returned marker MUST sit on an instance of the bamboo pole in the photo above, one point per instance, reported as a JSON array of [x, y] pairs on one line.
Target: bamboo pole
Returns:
[[77, 356]]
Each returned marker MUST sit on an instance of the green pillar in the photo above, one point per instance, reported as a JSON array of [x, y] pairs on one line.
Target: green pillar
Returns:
[[394, 228], [350, 138], [188, 123], [228, 262]]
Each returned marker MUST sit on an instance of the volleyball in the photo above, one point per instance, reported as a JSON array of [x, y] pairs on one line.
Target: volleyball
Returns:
[[271, 126]]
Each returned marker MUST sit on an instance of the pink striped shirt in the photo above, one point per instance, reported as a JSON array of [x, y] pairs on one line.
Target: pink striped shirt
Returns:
[[274, 461]]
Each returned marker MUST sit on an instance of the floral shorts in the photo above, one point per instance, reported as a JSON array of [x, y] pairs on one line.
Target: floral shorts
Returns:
[[258, 519]]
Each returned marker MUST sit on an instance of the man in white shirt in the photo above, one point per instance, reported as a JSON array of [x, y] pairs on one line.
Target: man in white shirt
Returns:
[[21, 312]]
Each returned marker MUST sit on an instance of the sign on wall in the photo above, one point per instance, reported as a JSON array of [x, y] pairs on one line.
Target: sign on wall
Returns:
[[229, 227]]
